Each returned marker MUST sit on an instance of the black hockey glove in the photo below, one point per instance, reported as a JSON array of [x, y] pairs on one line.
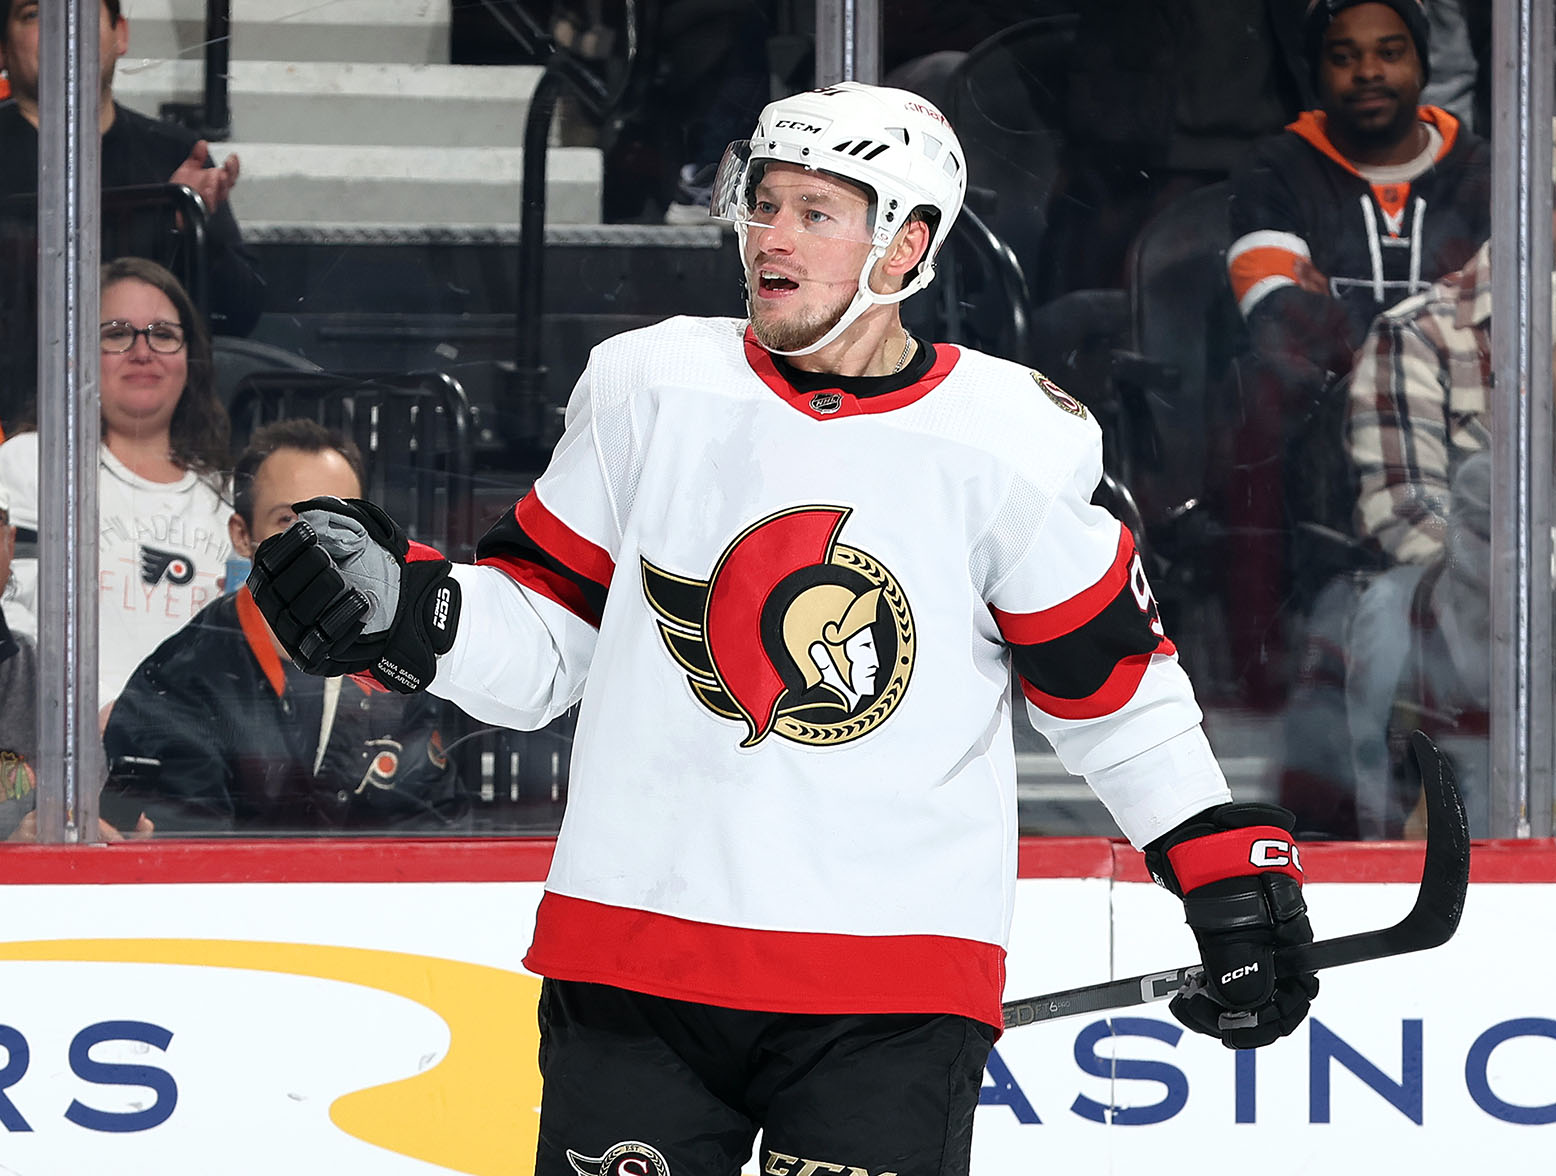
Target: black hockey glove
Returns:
[[346, 592], [1237, 870]]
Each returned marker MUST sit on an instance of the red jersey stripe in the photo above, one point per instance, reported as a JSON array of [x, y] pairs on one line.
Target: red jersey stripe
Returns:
[[552, 585], [1107, 698], [770, 971], [561, 542], [1049, 623]]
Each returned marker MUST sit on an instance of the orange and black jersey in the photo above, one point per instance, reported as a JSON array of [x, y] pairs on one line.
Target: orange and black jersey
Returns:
[[1377, 243]]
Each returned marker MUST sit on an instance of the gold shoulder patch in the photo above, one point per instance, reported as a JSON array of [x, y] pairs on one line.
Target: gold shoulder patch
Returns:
[[1059, 396]]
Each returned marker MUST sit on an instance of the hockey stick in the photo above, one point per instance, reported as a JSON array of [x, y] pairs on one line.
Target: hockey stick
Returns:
[[1445, 877]]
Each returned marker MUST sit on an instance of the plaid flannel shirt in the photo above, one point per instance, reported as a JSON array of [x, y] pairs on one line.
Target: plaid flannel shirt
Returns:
[[1420, 401]]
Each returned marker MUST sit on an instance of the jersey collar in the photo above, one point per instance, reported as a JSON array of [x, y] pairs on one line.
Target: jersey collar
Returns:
[[826, 399]]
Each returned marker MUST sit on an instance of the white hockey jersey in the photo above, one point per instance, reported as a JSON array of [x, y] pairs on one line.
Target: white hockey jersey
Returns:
[[793, 782]]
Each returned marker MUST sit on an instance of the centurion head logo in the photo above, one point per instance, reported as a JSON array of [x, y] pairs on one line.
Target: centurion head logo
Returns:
[[628, 1158], [794, 633]]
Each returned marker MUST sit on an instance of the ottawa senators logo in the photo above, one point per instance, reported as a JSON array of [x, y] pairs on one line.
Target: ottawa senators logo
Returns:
[[793, 633], [1058, 395], [629, 1158]]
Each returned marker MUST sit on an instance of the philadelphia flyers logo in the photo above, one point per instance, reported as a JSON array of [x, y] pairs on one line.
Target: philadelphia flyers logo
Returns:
[[629, 1158], [157, 565], [383, 764], [793, 633]]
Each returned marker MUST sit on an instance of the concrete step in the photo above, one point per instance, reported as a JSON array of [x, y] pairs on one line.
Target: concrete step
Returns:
[[300, 184], [413, 31], [350, 103]]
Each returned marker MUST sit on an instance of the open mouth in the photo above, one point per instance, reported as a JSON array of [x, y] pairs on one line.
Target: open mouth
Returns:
[[771, 283]]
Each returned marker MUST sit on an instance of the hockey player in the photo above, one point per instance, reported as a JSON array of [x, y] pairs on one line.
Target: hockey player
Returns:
[[787, 564]]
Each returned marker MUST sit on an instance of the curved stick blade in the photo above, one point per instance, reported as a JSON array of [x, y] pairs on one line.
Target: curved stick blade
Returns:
[[1445, 879]]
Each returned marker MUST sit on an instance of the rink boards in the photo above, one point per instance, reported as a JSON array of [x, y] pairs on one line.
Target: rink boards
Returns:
[[355, 1006]]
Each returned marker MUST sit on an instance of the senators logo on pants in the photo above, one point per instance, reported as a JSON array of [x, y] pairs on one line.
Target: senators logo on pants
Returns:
[[629, 1158], [793, 634]]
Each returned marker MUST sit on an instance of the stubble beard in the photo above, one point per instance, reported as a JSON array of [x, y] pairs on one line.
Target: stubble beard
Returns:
[[1377, 135], [791, 333]]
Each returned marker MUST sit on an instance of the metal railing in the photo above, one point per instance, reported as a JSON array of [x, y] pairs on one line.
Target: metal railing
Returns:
[[565, 72], [210, 118]]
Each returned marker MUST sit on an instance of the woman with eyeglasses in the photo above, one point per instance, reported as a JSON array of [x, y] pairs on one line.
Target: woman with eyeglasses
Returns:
[[162, 483]]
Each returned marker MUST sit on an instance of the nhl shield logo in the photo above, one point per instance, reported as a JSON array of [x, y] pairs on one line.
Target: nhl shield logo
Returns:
[[826, 402], [793, 633]]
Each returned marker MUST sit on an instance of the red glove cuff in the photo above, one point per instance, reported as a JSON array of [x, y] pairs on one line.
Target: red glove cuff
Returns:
[[416, 552], [1235, 853]]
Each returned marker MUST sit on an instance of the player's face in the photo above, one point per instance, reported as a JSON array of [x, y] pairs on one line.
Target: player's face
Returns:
[[808, 237], [20, 50], [285, 477], [1369, 76], [141, 387]]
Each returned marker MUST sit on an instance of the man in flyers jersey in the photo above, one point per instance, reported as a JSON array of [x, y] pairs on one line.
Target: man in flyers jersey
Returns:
[[1362, 203], [1349, 210], [788, 563]]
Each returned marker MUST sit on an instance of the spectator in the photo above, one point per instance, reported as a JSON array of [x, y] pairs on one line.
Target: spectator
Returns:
[[1418, 432], [19, 716], [18, 700], [162, 520], [217, 731], [136, 150], [1360, 204], [1420, 403], [1349, 210]]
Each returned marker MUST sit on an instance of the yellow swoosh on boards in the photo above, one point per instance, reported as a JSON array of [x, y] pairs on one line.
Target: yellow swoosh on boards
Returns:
[[475, 1111]]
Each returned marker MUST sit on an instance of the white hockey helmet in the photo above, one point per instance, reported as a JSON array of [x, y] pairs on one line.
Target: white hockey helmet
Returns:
[[892, 143]]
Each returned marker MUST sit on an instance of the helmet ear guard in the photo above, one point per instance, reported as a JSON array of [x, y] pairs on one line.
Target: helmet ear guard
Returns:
[[891, 143]]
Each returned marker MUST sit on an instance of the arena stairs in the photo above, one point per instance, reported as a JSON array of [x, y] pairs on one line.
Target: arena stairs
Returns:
[[380, 189]]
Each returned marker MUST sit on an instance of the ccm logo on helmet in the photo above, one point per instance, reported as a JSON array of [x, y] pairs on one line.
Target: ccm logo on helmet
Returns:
[[794, 124], [1268, 854]]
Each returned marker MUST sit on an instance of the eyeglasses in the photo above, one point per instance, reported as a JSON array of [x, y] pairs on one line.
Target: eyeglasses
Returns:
[[117, 337]]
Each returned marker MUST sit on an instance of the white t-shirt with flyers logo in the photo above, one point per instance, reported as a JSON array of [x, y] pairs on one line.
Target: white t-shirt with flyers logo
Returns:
[[162, 549]]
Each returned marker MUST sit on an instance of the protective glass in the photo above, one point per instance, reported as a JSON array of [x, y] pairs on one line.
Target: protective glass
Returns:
[[117, 337], [817, 213]]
